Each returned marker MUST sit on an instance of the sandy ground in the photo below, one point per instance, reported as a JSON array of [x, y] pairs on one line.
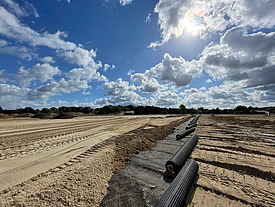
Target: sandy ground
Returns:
[[236, 156], [69, 162]]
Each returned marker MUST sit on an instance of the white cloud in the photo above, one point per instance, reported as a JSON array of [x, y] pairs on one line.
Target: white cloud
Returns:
[[86, 93], [192, 90], [84, 58], [120, 93], [69, 1], [130, 72], [11, 27], [203, 17], [202, 89], [107, 66], [167, 99], [40, 72], [81, 57], [86, 73], [12, 90], [175, 71], [22, 52], [57, 88], [148, 18], [150, 86], [125, 2], [241, 56], [208, 81], [24, 10], [47, 59], [229, 95], [254, 13], [3, 43], [11, 95], [118, 88], [3, 79]]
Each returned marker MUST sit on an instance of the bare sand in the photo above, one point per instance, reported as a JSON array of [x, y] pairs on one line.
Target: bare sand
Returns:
[[236, 156], [69, 162]]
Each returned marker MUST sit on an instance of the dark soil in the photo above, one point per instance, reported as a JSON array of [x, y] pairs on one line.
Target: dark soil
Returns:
[[141, 139]]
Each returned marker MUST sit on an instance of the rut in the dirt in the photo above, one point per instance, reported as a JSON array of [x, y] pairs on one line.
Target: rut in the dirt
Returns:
[[236, 162], [270, 176], [236, 149]]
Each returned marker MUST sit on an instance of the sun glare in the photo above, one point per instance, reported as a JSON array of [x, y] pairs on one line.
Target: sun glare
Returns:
[[192, 23]]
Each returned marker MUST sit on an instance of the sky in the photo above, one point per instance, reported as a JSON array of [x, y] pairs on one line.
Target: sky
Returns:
[[200, 53]]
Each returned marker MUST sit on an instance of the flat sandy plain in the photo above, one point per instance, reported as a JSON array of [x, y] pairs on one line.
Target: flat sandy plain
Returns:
[[69, 162], [236, 157]]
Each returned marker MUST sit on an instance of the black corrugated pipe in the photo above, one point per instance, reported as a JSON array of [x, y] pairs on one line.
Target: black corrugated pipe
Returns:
[[175, 163], [176, 194], [192, 122], [189, 131], [189, 127]]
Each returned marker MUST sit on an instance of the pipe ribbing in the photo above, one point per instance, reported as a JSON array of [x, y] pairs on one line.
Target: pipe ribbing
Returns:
[[177, 192], [191, 126], [189, 131], [175, 163]]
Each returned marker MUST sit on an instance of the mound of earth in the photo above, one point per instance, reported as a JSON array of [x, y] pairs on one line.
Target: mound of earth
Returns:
[[26, 115], [4, 116], [42, 115], [69, 115]]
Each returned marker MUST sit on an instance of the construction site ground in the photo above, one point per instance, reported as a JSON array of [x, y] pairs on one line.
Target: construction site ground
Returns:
[[236, 157], [86, 161], [69, 162]]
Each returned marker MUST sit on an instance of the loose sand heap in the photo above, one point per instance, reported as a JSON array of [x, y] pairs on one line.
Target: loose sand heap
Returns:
[[69, 162], [236, 156]]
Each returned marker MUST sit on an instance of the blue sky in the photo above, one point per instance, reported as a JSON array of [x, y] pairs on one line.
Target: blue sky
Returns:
[[200, 53]]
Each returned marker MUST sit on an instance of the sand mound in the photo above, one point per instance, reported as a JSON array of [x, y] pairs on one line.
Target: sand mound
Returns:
[[42, 115], [4, 116], [69, 115]]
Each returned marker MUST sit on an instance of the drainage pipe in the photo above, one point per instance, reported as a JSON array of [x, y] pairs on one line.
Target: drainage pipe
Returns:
[[176, 194], [191, 126], [189, 131], [175, 163]]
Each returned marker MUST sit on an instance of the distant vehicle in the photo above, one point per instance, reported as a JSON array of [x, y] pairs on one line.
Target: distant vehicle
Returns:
[[129, 113], [267, 113]]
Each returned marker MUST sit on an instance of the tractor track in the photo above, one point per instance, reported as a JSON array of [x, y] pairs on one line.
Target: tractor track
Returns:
[[237, 164], [47, 139]]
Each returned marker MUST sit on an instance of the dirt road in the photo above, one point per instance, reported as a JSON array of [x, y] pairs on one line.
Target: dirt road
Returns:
[[66, 162], [236, 156]]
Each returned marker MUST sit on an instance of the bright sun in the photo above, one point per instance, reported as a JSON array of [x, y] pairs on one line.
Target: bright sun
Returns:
[[192, 27], [192, 23]]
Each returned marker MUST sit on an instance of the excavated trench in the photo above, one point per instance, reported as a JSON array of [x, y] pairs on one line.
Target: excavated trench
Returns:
[[143, 182]]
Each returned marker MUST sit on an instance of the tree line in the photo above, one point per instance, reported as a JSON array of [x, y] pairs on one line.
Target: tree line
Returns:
[[110, 109]]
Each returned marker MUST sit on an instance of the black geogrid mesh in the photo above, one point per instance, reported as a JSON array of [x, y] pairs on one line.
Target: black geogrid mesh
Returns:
[[140, 183]]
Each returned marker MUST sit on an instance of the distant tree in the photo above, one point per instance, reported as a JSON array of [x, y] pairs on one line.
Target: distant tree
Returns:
[[241, 109], [191, 111], [64, 109], [1, 110], [201, 109], [131, 107], [54, 109], [182, 109], [217, 110], [46, 110], [28, 110], [87, 110], [19, 111]]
